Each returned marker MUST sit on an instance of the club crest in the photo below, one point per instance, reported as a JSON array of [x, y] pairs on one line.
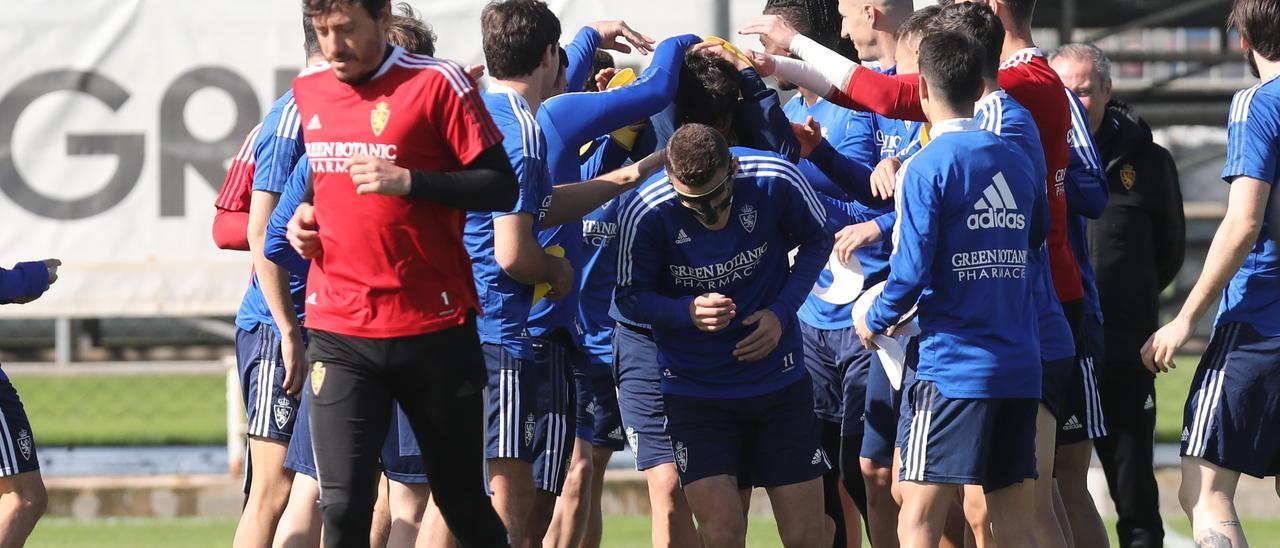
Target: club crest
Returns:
[[1128, 176], [282, 411], [25, 444], [530, 424], [633, 440], [317, 378], [682, 456], [748, 217], [379, 116]]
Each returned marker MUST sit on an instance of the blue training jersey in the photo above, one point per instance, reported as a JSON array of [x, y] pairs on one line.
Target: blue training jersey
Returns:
[[967, 208], [1253, 149], [277, 247], [571, 120], [1003, 115], [667, 257], [1087, 197], [505, 302], [275, 153]]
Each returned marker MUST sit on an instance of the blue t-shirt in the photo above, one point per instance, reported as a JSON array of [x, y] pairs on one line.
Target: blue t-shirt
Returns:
[[505, 302], [967, 210], [277, 247], [1253, 146], [1003, 115], [851, 135], [1087, 197], [667, 258], [275, 153]]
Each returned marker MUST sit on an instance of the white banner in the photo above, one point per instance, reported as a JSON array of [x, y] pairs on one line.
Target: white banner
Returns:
[[117, 118]]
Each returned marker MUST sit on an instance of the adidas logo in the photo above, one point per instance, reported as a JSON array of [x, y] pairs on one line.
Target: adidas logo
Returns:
[[314, 123], [682, 238], [997, 208], [1151, 404], [1185, 434], [311, 299], [817, 457], [616, 434], [1072, 424]]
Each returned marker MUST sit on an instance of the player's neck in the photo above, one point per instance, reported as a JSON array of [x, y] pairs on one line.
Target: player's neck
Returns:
[[990, 86], [1016, 40], [527, 88], [810, 98], [888, 47], [1266, 69]]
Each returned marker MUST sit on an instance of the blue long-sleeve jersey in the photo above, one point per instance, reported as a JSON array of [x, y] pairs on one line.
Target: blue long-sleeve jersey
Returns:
[[27, 280], [1087, 195], [967, 206], [504, 301], [573, 119], [667, 257], [275, 154], [581, 52], [277, 248]]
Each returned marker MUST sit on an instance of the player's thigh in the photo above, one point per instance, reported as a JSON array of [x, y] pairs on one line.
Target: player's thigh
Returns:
[[786, 438], [715, 501], [798, 504], [707, 436]]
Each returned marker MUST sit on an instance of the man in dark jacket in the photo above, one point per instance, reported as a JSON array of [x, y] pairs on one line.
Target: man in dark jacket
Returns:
[[1137, 246]]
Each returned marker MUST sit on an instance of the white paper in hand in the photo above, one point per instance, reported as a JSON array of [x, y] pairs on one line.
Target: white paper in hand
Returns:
[[892, 352], [846, 282]]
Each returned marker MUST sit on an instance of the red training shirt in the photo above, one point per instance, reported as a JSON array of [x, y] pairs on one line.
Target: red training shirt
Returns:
[[1027, 77], [390, 266], [231, 222]]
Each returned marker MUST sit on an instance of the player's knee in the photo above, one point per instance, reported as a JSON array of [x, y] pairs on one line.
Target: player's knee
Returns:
[[813, 533], [1189, 496], [716, 535], [30, 502], [874, 474]]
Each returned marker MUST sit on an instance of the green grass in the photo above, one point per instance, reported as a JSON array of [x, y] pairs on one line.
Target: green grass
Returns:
[[125, 409], [620, 532]]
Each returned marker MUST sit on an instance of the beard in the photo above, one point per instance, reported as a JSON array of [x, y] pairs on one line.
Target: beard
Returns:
[[1253, 63]]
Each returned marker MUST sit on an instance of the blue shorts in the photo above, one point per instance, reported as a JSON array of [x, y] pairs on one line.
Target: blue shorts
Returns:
[[774, 439], [644, 416], [556, 405], [1079, 412], [883, 410], [1053, 380], [607, 431], [838, 365], [585, 417], [18, 445], [401, 455], [269, 409], [1232, 415], [987, 442]]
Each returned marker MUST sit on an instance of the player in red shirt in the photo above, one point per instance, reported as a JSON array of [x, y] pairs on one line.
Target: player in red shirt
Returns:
[[391, 301], [231, 222]]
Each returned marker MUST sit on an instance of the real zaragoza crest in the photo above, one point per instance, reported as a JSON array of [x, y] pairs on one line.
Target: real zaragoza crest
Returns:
[[317, 378], [378, 117], [748, 217]]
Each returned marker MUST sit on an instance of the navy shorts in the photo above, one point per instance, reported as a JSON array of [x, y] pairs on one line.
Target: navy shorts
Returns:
[[607, 432], [1053, 379], [838, 365], [557, 403], [1079, 412], [644, 416], [401, 455], [1232, 415], [883, 410], [987, 442], [773, 439], [18, 447], [585, 418], [271, 412]]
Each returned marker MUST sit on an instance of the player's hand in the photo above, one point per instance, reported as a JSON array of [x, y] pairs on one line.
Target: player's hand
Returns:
[[611, 31], [853, 237], [52, 265], [293, 352], [717, 49], [764, 63], [884, 177], [711, 312], [763, 340], [864, 333], [1159, 350], [603, 77], [476, 72], [772, 27], [303, 232], [809, 134], [373, 175], [649, 165], [561, 278]]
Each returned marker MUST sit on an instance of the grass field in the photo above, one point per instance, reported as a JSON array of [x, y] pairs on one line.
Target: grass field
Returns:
[[620, 532], [190, 409]]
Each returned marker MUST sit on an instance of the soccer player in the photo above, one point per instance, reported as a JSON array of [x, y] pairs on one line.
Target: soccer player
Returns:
[[1230, 422], [23, 497], [231, 218], [391, 295], [703, 259], [270, 350], [972, 412]]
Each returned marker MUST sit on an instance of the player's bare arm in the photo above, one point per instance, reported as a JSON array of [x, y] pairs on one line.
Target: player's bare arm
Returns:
[[520, 256], [570, 202]]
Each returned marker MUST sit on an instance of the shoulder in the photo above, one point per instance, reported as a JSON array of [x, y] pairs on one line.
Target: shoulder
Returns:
[[1259, 100], [283, 120], [313, 71], [430, 71], [652, 195]]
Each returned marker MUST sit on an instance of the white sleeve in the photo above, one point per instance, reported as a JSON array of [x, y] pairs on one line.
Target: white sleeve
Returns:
[[834, 67], [802, 74]]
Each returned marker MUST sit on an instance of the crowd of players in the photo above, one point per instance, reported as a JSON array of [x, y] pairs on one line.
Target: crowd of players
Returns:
[[873, 301]]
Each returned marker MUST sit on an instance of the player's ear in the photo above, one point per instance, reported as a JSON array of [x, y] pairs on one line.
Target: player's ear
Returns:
[[924, 88], [551, 57]]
